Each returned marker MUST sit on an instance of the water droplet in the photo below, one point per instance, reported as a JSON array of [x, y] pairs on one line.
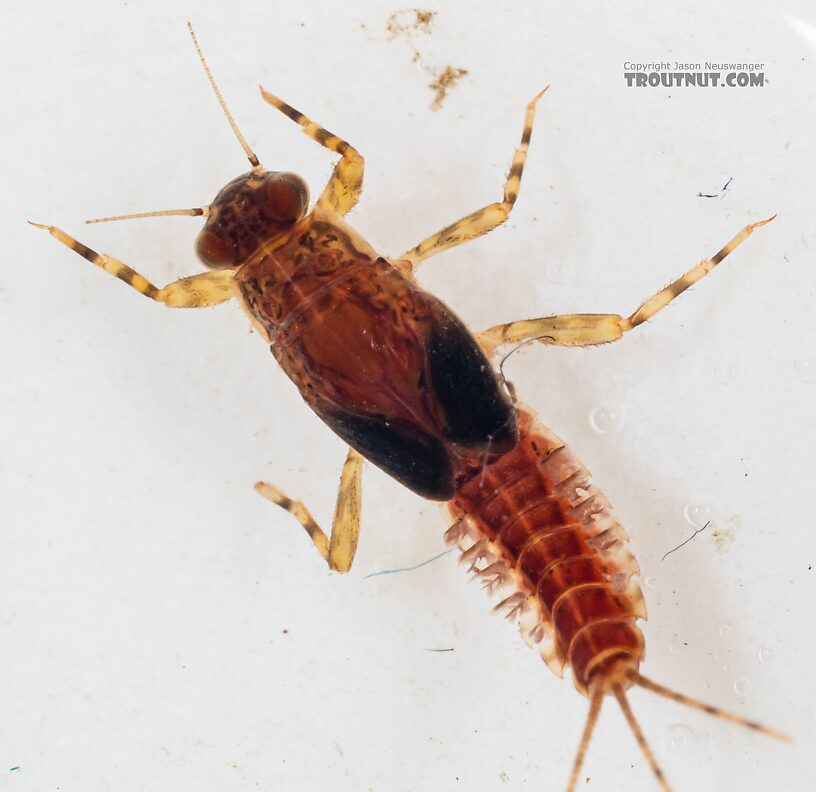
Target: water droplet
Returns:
[[765, 653], [699, 512], [606, 419], [742, 686], [726, 373], [557, 272], [724, 630], [805, 370], [650, 582], [679, 736]]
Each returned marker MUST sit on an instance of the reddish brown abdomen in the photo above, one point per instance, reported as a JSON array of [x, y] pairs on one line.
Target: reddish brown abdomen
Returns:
[[532, 523]]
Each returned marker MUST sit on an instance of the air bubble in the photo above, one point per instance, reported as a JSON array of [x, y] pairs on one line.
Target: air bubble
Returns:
[[699, 512], [606, 419], [742, 686], [724, 630], [678, 649], [805, 370], [650, 582], [765, 653], [726, 373], [679, 736]]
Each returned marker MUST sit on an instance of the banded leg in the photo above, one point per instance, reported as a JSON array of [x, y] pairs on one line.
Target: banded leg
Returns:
[[346, 183], [197, 291], [487, 218], [340, 549], [591, 329]]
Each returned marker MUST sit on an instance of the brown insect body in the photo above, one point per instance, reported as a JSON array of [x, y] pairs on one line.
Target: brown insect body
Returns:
[[385, 364], [531, 523], [370, 352], [400, 378]]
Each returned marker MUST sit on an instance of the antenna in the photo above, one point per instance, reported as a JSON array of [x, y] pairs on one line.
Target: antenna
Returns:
[[249, 152], [201, 211]]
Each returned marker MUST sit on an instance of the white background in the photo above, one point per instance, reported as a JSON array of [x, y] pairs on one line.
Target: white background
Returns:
[[164, 628]]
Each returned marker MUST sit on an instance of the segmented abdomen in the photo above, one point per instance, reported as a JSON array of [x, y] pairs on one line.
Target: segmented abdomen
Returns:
[[531, 523]]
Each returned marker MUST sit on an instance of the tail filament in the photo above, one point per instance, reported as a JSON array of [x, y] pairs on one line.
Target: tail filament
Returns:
[[595, 703]]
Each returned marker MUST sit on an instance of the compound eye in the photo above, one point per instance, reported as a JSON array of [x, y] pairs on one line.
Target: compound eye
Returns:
[[287, 198], [214, 250]]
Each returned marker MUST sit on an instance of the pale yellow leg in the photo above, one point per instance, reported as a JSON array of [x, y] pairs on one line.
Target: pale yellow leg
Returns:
[[487, 218], [340, 549], [592, 329], [346, 183], [197, 291]]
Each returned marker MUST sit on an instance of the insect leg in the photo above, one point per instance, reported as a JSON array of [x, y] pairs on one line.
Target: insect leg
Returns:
[[591, 329], [197, 291], [486, 218], [339, 550], [346, 182]]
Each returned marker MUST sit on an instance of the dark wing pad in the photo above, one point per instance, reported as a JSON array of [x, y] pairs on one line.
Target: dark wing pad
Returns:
[[478, 413], [416, 459]]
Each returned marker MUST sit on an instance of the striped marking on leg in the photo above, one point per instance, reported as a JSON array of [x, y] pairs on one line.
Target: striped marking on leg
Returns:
[[489, 217], [196, 291], [346, 183]]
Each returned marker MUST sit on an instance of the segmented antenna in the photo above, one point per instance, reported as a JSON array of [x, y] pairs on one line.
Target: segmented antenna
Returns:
[[249, 152], [201, 211]]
